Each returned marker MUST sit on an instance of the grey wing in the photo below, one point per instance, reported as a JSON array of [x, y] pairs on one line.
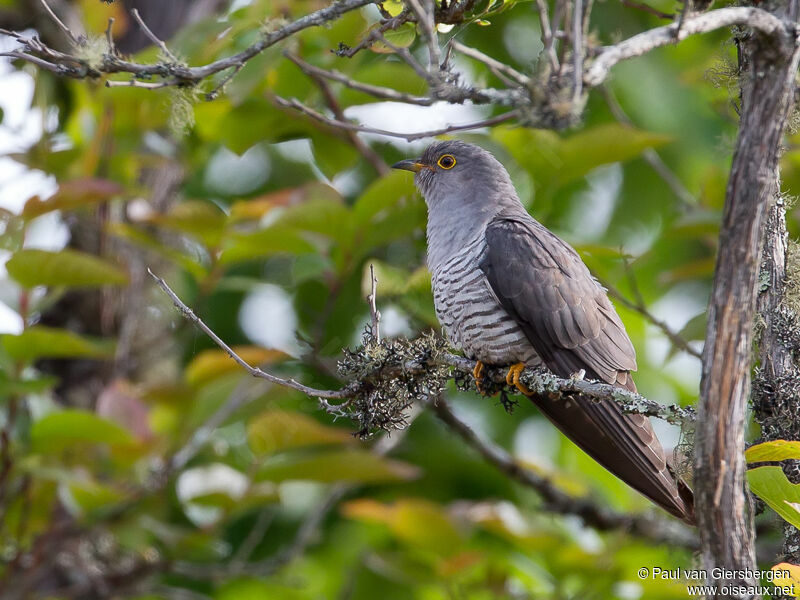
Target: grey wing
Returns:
[[567, 317], [565, 313]]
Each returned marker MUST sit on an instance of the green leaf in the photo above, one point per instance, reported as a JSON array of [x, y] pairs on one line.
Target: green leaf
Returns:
[[357, 466], [91, 496], [393, 7], [60, 429], [276, 430], [214, 363], [71, 195], [388, 210], [67, 267], [771, 485], [12, 387], [774, 451], [264, 243], [254, 589], [252, 122], [200, 219], [417, 522], [402, 37], [40, 341], [331, 156], [554, 161]]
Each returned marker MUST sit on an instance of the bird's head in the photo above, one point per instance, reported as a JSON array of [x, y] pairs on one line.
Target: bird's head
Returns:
[[455, 169]]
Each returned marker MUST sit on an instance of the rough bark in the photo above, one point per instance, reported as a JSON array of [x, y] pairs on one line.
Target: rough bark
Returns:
[[768, 70], [777, 381]]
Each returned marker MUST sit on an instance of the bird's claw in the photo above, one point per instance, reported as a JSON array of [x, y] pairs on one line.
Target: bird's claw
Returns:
[[512, 378], [477, 375]]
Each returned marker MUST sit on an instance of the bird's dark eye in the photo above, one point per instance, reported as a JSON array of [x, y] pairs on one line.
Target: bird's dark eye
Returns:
[[446, 161]]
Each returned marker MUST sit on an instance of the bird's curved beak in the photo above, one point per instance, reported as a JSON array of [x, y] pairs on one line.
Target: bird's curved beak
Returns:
[[410, 164]]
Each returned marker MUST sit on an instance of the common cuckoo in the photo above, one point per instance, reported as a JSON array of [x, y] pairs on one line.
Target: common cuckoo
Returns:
[[509, 292]]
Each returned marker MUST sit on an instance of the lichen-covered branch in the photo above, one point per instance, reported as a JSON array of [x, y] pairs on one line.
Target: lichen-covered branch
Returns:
[[385, 377], [552, 95]]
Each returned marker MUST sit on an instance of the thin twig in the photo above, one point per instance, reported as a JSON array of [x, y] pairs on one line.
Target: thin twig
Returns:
[[372, 157], [425, 20], [112, 49], [547, 34], [677, 340], [646, 41], [307, 532], [577, 53], [375, 315], [254, 371], [241, 395], [67, 31], [500, 69], [373, 90], [310, 112], [213, 94], [556, 500], [651, 156], [148, 85], [406, 56], [152, 36]]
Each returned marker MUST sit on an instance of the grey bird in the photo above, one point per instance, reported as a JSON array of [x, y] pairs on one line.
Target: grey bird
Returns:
[[510, 292]]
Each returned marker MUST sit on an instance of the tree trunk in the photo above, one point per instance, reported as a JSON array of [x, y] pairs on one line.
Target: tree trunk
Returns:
[[767, 71]]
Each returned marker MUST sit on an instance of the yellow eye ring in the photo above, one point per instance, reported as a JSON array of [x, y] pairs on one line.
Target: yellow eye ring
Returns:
[[446, 161]]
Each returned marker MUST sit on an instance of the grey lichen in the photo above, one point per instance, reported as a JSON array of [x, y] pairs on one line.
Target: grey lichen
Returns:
[[393, 374]]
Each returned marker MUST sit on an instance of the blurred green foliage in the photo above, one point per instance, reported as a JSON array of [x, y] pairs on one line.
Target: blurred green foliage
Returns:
[[266, 196]]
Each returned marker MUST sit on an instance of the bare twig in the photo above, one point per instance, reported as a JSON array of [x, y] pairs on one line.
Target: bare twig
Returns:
[[375, 315], [372, 157], [406, 56], [383, 93], [152, 37], [650, 155], [577, 53], [425, 21], [644, 42], [556, 500], [213, 94], [641, 308], [175, 74], [67, 31], [254, 371], [310, 112], [241, 395], [306, 534], [547, 35], [148, 85], [112, 49], [500, 69]]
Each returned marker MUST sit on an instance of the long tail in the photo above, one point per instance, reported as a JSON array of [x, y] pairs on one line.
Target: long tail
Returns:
[[625, 444]]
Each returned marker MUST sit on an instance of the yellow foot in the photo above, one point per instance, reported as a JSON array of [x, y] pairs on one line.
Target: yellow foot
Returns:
[[512, 378], [477, 374]]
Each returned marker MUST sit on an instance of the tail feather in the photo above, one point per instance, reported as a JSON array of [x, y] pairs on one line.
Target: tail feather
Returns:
[[625, 444]]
